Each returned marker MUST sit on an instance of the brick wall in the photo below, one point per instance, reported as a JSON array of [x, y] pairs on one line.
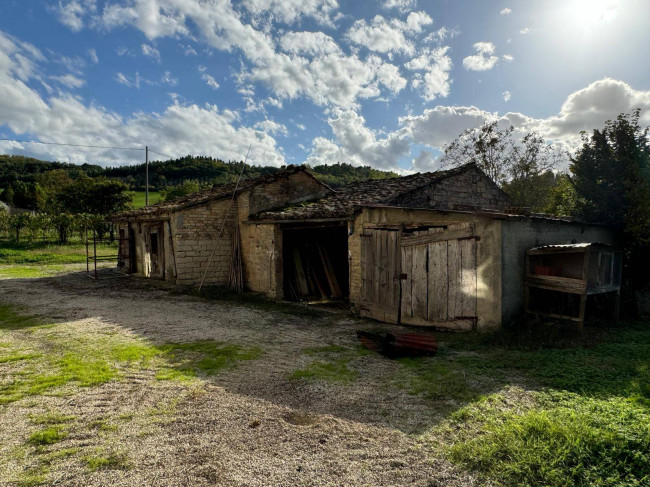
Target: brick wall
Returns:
[[470, 189]]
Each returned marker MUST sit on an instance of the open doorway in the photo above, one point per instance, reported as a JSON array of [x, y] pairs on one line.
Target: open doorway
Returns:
[[315, 263]]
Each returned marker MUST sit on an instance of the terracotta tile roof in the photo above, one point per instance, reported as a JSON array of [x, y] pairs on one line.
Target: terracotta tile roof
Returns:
[[348, 200], [212, 194]]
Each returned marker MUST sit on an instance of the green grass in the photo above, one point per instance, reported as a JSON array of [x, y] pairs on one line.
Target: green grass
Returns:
[[583, 417], [333, 364], [51, 418], [48, 436], [207, 357], [336, 370], [139, 198], [47, 360], [12, 253], [106, 461], [564, 439], [29, 260]]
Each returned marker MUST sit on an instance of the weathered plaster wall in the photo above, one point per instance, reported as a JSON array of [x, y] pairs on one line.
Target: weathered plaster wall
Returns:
[[488, 253], [522, 234], [261, 244], [470, 189]]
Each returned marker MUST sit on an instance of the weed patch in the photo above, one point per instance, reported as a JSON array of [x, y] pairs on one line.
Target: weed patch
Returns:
[[565, 439], [333, 365], [207, 357], [48, 436], [116, 461]]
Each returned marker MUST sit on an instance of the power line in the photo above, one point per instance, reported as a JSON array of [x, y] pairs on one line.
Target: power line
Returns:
[[75, 145], [161, 154]]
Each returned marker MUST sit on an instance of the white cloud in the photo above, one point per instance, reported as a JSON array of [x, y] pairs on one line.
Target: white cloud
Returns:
[[484, 58], [380, 36], [506, 95], [69, 81], [436, 64], [271, 127], [424, 162], [357, 144], [168, 79], [188, 50], [92, 54], [591, 107], [441, 34], [438, 126], [151, 52], [210, 81], [120, 78], [334, 78], [401, 5], [311, 43], [506, 11], [290, 11], [71, 13], [524, 31], [508, 57], [416, 20]]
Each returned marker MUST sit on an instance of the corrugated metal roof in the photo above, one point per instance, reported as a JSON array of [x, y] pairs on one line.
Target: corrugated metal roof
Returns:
[[571, 246]]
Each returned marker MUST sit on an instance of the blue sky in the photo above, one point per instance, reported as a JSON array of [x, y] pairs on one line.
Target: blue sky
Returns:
[[386, 83]]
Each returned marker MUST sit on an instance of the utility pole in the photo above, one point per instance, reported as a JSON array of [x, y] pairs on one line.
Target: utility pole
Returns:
[[146, 175]]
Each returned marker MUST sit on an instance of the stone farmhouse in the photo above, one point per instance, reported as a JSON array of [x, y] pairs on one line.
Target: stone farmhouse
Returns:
[[438, 249]]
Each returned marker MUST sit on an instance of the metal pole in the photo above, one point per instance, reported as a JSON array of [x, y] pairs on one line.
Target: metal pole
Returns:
[[146, 172]]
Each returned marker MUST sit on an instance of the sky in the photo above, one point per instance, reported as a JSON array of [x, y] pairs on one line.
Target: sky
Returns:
[[385, 83]]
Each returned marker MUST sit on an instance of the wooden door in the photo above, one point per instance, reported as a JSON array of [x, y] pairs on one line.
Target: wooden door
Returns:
[[440, 278], [380, 270]]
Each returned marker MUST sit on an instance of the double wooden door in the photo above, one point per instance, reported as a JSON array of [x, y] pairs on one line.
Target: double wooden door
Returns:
[[425, 278]]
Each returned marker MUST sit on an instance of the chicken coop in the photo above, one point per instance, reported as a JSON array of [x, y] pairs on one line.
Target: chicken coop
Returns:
[[560, 278]]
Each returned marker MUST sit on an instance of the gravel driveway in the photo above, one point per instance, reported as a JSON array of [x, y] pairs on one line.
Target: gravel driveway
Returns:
[[253, 425]]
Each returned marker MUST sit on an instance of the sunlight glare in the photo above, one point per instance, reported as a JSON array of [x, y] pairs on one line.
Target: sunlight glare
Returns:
[[589, 13]]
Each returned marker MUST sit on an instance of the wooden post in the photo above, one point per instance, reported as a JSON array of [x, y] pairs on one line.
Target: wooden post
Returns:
[[146, 175], [581, 316], [95, 252], [87, 256]]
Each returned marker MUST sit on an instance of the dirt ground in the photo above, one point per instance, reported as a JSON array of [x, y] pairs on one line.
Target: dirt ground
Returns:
[[253, 425]]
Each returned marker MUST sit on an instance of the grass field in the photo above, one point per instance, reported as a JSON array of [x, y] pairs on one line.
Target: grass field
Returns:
[[40, 259], [139, 198]]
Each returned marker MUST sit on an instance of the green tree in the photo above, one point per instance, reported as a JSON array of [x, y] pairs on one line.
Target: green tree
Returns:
[[98, 196], [4, 220], [611, 177], [523, 168], [183, 189], [17, 222], [562, 197], [488, 146]]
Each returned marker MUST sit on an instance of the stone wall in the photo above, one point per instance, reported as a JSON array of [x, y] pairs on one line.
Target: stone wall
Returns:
[[294, 188], [196, 237], [470, 189]]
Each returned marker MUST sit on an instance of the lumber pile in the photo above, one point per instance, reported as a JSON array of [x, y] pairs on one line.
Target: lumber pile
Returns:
[[311, 273]]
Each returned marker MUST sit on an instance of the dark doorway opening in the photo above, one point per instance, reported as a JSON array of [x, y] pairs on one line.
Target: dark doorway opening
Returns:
[[315, 263]]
